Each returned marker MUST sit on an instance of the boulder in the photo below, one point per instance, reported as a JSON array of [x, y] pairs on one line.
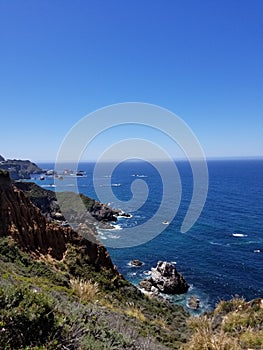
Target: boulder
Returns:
[[167, 280], [193, 302], [136, 263], [146, 285]]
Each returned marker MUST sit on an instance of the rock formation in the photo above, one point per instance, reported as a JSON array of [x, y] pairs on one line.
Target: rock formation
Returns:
[[193, 302], [19, 169], [165, 279], [136, 263], [47, 202], [24, 222]]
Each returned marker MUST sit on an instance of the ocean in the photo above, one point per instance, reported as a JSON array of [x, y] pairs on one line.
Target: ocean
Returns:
[[221, 256]]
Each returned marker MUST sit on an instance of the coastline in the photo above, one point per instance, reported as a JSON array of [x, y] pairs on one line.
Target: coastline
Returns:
[[210, 240]]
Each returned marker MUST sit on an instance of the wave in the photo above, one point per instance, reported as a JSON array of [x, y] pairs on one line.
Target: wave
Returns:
[[147, 273], [257, 251], [132, 274], [239, 235], [116, 227], [122, 214], [113, 236], [221, 244]]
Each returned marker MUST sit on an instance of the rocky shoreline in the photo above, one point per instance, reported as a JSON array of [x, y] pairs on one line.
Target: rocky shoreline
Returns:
[[63, 207], [163, 279], [19, 169]]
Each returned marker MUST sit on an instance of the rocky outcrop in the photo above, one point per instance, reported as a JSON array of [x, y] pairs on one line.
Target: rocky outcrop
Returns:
[[20, 169], [193, 302], [48, 202], [24, 222], [102, 212], [44, 199], [2, 159], [136, 263], [165, 279]]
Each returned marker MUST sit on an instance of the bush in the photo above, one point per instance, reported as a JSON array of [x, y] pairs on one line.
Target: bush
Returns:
[[27, 317], [85, 290]]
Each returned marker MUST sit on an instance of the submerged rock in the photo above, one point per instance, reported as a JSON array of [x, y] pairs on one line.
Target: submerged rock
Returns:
[[166, 279], [136, 263], [193, 302]]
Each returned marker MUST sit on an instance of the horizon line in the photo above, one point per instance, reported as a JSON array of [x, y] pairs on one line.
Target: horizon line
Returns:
[[210, 158]]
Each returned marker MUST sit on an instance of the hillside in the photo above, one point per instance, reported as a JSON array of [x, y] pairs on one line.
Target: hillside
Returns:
[[59, 290], [47, 202], [233, 325], [19, 169]]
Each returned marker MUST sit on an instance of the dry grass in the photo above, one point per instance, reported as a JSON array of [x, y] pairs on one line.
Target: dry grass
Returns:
[[136, 313], [205, 339], [85, 290], [236, 304], [252, 338], [234, 325]]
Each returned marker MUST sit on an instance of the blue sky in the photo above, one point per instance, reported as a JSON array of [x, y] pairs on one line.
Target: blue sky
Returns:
[[62, 59]]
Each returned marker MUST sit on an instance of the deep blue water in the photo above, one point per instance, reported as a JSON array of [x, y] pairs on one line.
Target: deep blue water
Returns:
[[215, 263]]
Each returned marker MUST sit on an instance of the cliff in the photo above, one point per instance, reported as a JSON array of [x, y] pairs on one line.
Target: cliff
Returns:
[[19, 169], [46, 201], [25, 223]]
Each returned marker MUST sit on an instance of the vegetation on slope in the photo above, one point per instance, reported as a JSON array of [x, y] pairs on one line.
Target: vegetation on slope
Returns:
[[234, 325], [50, 304]]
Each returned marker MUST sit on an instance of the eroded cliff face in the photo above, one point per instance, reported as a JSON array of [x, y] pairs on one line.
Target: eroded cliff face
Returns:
[[25, 223]]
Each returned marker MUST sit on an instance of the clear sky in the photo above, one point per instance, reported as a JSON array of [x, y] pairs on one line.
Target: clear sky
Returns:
[[62, 59]]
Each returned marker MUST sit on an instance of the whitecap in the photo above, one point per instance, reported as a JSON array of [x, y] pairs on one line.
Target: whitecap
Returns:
[[132, 274], [147, 273], [122, 214], [220, 244], [113, 236], [239, 235], [257, 251], [116, 227]]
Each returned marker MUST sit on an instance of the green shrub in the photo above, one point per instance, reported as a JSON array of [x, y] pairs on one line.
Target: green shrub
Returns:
[[27, 317]]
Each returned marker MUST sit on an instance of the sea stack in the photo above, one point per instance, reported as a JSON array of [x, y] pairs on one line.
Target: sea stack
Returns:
[[166, 279]]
